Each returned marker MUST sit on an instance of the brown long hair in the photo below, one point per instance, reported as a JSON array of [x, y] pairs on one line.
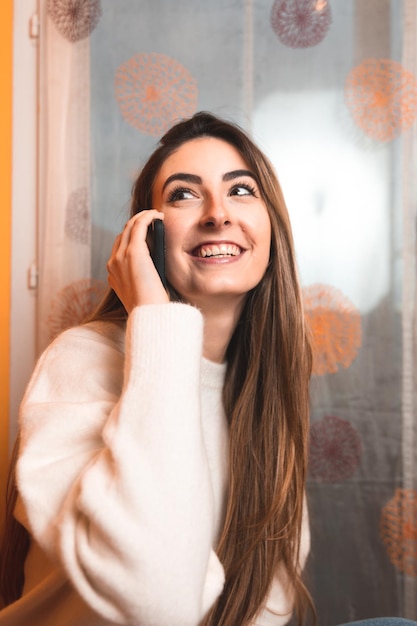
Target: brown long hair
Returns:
[[265, 397], [14, 542]]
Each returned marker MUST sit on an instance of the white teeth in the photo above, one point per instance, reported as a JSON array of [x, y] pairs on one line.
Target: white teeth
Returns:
[[219, 250]]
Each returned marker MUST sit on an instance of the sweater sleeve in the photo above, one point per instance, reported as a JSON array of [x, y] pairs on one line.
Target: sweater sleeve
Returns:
[[116, 485]]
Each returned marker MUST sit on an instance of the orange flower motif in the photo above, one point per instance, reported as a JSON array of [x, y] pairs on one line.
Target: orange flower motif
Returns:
[[336, 328], [398, 528], [382, 98], [74, 303], [153, 90]]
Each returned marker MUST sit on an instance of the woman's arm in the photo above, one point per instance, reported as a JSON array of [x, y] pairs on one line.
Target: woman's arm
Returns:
[[117, 489]]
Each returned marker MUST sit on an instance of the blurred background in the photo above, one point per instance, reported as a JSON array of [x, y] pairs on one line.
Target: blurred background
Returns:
[[328, 89]]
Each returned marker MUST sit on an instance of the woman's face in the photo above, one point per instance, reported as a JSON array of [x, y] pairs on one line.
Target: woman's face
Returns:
[[218, 231]]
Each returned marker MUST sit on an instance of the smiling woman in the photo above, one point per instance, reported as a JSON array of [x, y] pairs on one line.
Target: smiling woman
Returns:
[[218, 237], [218, 230], [163, 443]]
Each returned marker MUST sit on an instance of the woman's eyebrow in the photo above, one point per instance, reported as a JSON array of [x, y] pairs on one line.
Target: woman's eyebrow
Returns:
[[193, 178], [237, 174], [188, 178]]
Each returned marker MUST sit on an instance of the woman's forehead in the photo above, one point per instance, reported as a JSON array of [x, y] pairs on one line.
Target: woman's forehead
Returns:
[[203, 154]]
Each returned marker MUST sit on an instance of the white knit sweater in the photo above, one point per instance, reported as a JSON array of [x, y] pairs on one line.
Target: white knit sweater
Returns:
[[123, 475]]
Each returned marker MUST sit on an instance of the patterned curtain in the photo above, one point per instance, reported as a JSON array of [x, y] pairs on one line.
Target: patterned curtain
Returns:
[[328, 88], [400, 519], [66, 291]]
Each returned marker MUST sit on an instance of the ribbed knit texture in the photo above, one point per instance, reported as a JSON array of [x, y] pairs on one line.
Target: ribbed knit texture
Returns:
[[123, 476]]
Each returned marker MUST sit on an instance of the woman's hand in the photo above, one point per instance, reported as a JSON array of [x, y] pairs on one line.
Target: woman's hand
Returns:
[[131, 272]]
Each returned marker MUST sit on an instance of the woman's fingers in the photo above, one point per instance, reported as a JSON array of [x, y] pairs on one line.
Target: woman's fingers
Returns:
[[136, 227], [131, 272]]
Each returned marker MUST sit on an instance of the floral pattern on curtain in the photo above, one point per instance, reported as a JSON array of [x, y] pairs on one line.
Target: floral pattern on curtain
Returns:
[[66, 291], [329, 91]]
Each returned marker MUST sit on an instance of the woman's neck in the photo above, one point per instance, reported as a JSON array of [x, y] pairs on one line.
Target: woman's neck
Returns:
[[219, 326]]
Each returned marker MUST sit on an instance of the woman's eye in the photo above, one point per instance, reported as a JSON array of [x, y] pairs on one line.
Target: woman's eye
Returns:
[[242, 190], [180, 193]]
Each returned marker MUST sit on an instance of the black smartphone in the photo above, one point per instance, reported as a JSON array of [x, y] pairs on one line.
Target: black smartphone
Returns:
[[157, 234]]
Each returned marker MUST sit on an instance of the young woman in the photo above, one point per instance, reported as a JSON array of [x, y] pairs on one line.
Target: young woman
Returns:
[[162, 458]]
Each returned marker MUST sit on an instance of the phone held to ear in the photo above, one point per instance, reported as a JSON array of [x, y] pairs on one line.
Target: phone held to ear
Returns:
[[157, 234]]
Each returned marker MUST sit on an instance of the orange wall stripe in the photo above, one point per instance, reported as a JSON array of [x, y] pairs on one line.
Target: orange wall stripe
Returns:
[[6, 73]]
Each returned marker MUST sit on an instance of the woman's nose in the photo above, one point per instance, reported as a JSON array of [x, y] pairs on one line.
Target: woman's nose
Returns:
[[215, 214]]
